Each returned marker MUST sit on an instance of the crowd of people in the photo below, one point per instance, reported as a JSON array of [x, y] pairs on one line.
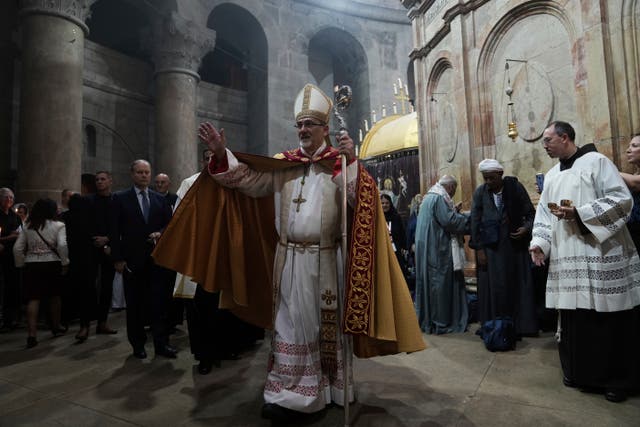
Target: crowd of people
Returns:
[[577, 245], [70, 255], [573, 255]]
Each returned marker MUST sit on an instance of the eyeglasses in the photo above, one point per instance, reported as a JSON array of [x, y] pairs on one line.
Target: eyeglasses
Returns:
[[307, 124], [549, 139]]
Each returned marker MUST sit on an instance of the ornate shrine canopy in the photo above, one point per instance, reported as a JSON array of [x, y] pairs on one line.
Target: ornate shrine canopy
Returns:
[[389, 135]]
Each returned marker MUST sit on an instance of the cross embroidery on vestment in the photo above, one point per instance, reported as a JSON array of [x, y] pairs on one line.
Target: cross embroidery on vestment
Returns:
[[328, 297]]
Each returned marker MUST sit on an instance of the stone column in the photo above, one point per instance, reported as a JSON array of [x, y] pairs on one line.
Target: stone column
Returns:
[[50, 150], [178, 51]]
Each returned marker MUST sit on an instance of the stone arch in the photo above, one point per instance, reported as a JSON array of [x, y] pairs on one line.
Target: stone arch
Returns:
[[336, 57], [130, 19], [114, 151], [119, 118], [487, 70], [90, 140], [240, 61], [442, 143]]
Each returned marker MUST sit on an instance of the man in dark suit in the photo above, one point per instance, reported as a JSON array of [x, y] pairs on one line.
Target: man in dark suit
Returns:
[[162, 183], [138, 217]]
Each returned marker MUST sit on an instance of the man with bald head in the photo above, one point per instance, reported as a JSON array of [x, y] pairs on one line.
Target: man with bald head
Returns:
[[162, 183], [441, 302], [501, 222]]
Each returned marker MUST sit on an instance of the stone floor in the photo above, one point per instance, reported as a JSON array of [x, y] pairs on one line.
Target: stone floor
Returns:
[[455, 382]]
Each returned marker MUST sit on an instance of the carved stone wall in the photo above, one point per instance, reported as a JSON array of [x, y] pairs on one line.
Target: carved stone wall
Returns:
[[120, 95], [572, 60]]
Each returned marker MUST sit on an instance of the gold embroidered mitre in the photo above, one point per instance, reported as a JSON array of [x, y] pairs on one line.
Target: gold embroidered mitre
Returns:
[[312, 103]]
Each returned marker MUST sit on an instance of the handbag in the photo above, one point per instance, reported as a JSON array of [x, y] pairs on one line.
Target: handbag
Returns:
[[63, 271], [498, 334], [489, 232], [49, 245]]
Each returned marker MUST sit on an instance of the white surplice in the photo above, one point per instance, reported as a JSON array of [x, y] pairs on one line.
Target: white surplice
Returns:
[[599, 270], [307, 275], [183, 286]]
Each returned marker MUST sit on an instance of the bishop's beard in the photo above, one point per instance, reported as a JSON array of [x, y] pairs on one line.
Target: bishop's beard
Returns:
[[305, 143]]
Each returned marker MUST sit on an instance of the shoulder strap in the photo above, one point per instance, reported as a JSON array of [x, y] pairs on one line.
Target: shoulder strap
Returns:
[[48, 244]]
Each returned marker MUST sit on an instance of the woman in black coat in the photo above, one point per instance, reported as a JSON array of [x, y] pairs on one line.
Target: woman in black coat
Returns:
[[396, 230]]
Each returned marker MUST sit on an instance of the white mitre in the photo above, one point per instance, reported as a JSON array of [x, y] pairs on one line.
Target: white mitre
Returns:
[[312, 103]]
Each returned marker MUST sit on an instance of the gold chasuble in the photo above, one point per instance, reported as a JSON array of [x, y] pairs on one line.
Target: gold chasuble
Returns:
[[226, 242]]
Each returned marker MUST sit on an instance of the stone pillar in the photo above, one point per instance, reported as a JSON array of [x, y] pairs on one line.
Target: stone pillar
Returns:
[[178, 51], [50, 150]]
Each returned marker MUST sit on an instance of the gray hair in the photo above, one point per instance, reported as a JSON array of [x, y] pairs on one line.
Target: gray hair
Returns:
[[4, 191], [137, 162], [447, 179]]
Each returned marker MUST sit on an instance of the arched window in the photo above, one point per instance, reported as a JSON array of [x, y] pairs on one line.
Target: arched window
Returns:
[[90, 133]]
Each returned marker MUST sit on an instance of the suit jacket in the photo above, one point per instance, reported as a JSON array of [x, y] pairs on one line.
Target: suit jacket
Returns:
[[129, 232], [101, 214], [171, 199]]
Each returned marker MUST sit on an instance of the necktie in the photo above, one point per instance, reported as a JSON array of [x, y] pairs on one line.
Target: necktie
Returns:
[[145, 205]]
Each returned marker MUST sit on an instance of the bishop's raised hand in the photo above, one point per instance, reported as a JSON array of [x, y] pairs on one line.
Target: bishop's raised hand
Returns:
[[214, 140]]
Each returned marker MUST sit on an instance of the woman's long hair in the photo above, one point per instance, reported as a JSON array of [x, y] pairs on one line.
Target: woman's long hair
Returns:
[[391, 213], [43, 209]]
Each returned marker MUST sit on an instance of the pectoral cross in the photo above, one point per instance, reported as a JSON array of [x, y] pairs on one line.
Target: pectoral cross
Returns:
[[298, 200]]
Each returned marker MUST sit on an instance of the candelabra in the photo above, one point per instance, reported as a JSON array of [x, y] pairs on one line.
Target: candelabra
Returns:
[[400, 93]]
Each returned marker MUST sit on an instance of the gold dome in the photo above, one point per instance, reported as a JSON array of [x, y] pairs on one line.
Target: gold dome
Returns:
[[391, 134]]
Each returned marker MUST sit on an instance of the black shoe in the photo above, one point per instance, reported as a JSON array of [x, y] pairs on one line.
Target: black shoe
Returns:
[[166, 351], [106, 331], [568, 383], [231, 355], [82, 337], [204, 367], [31, 342], [615, 396], [59, 331], [140, 353]]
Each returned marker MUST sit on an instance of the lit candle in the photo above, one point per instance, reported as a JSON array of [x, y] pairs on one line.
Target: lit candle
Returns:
[[384, 111], [373, 116], [399, 83], [395, 108], [359, 135], [366, 125], [395, 89]]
